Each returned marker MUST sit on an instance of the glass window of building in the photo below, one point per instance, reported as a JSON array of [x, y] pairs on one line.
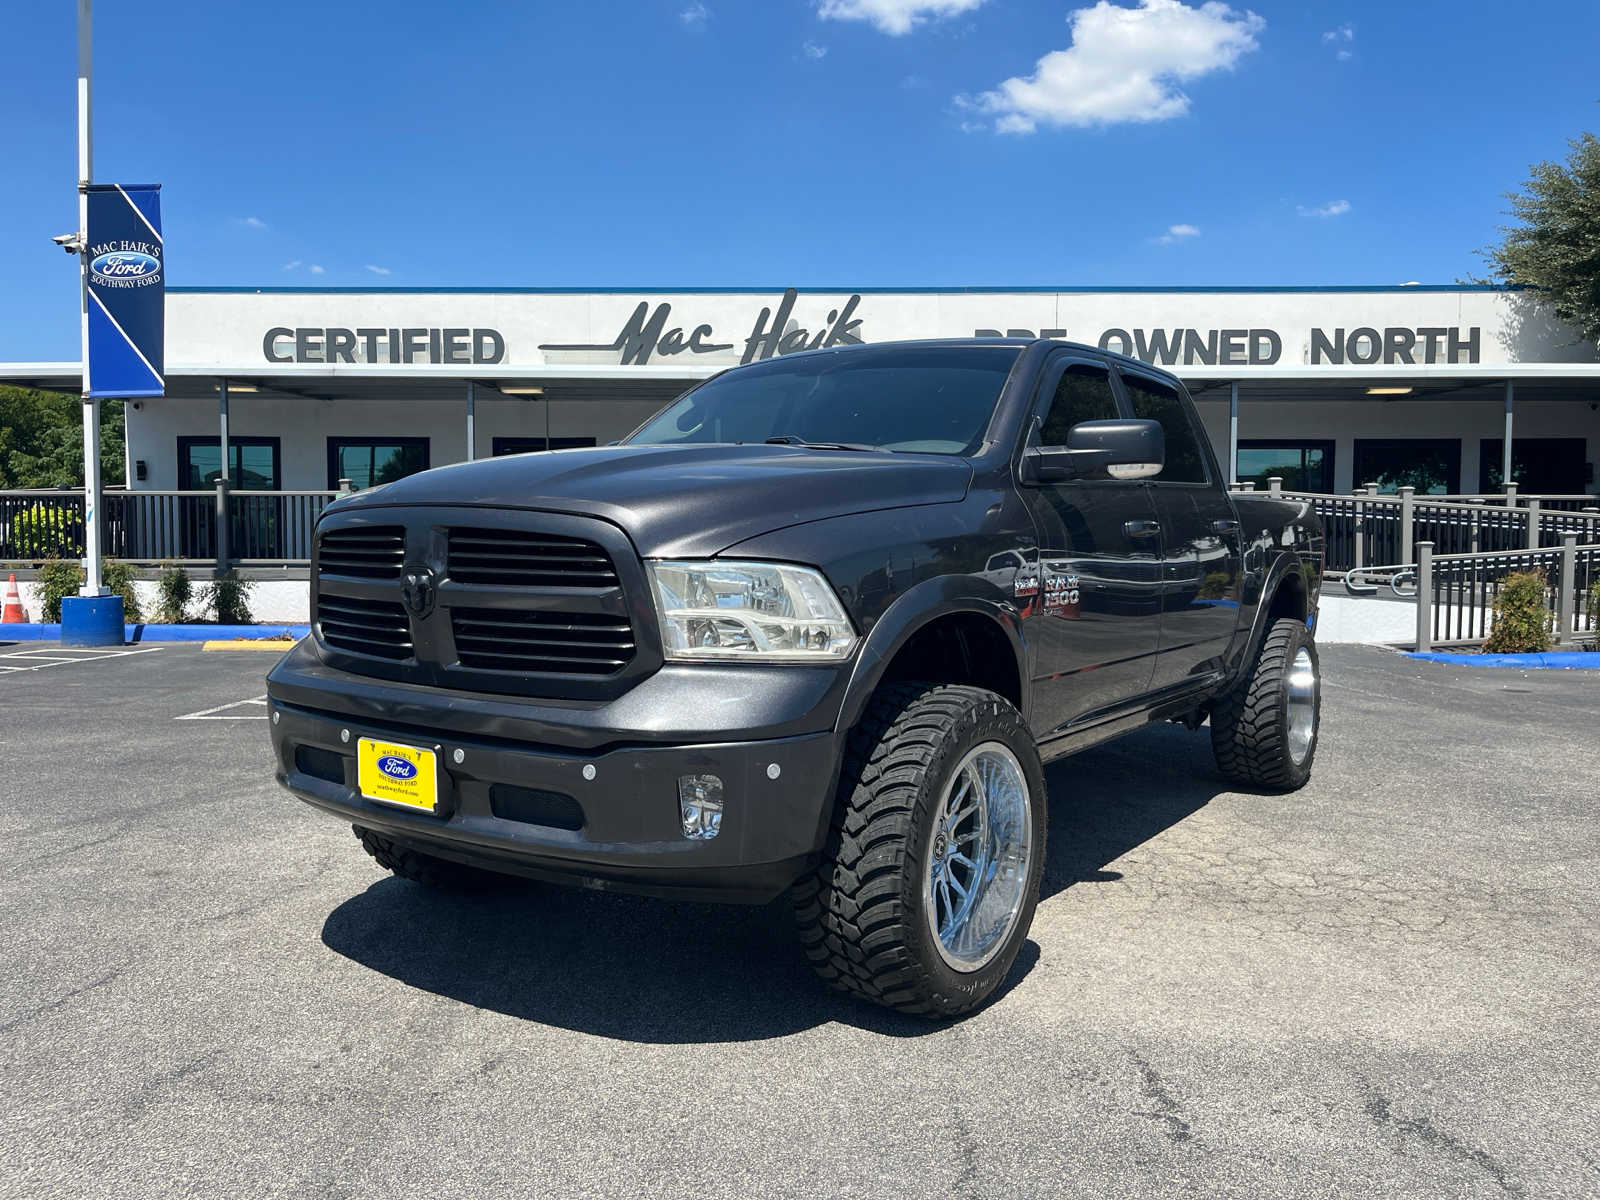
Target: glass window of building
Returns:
[[368, 462], [252, 463], [1303, 466]]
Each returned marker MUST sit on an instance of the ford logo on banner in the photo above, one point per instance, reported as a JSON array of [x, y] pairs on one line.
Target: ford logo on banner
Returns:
[[125, 264], [125, 273], [396, 767]]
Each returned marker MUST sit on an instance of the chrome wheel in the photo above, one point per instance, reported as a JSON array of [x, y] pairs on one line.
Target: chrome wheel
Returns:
[[979, 856], [1302, 706]]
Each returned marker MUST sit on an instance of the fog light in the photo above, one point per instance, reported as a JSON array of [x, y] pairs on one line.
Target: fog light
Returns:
[[700, 805]]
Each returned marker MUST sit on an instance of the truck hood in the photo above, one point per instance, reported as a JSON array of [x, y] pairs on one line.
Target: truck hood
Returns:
[[687, 501]]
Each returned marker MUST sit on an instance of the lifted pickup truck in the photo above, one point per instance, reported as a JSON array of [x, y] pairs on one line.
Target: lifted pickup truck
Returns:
[[814, 628]]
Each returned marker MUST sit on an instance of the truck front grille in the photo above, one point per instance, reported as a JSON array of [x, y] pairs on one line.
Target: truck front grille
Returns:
[[363, 551], [373, 627], [514, 602], [563, 643], [512, 558]]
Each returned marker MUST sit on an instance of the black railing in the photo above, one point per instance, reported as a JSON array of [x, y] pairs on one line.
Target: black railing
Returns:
[[150, 527], [1456, 593]]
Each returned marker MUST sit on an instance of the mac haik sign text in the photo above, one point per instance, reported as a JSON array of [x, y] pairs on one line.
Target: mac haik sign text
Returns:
[[706, 330], [124, 277]]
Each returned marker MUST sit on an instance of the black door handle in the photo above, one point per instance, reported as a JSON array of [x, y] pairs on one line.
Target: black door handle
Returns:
[[1141, 529]]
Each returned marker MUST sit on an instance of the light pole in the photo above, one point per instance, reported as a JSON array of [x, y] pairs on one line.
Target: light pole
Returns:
[[93, 585]]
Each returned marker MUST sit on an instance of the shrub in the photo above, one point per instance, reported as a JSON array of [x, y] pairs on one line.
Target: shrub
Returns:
[[46, 531], [58, 578], [174, 591], [118, 576], [1522, 618], [229, 598]]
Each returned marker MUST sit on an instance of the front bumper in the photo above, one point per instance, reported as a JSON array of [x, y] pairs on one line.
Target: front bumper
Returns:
[[624, 829]]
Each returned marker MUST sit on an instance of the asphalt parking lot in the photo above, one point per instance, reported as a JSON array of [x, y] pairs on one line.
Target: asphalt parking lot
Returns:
[[1384, 985]]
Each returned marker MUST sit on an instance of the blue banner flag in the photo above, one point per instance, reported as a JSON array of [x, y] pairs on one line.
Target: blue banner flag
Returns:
[[127, 305]]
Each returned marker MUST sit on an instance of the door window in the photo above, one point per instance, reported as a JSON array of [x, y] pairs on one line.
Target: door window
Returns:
[[368, 462], [1154, 401], [1083, 394]]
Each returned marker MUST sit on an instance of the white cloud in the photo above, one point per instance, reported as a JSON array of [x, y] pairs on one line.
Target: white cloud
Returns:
[[1333, 208], [314, 269], [1176, 233], [289, 266], [812, 50], [251, 222], [695, 15], [894, 17], [1341, 37], [1124, 64], [377, 270]]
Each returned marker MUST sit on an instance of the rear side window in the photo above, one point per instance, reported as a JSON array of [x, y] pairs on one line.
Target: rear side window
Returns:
[[1084, 394], [1155, 402]]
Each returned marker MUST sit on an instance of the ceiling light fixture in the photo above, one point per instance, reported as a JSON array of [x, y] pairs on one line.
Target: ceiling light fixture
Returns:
[[1389, 391], [522, 391]]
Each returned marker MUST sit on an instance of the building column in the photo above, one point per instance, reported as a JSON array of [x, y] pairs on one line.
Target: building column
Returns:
[[1505, 451], [222, 427], [1233, 433], [472, 420]]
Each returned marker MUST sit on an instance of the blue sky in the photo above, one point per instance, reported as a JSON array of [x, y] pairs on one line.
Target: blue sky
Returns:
[[787, 142]]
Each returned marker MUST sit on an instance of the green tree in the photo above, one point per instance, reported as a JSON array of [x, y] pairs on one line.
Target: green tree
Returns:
[[1555, 246], [41, 439]]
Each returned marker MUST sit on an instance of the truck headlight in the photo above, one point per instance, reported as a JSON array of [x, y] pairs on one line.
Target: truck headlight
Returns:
[[737, 611]]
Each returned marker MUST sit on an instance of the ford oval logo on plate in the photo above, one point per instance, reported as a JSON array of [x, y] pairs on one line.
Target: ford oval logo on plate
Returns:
[[396, 767], [125, 264]]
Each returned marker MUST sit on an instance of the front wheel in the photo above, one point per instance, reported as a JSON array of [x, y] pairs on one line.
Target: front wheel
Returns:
[[930, 876], [1264, 732]]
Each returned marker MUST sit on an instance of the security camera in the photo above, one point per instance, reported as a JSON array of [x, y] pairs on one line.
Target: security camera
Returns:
[[72, 243]]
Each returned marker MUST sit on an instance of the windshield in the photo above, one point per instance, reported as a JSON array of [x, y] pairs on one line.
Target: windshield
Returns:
[[927, 399]]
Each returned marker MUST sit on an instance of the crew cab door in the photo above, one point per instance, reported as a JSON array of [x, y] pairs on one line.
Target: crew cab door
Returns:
[[1200, 552], [1091, 608]]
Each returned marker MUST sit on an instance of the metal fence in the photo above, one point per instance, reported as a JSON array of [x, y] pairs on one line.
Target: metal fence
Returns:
[[1366, 528], [1456, 592], [150, 527]]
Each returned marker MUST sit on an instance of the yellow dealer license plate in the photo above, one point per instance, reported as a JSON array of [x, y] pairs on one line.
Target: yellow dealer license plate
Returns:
[[398, 774]]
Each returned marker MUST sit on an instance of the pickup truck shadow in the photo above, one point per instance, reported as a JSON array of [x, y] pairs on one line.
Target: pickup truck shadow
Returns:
[[658, 971]]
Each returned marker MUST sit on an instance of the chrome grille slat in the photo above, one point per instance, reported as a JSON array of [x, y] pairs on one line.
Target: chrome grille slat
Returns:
[[373, 627], [367, 552], [490, 556], [567, 643]]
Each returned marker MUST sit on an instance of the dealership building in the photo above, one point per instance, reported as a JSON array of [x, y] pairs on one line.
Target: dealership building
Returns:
[[297, 389]]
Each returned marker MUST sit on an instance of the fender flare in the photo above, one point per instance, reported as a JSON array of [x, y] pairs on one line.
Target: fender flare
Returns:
[[916, 608], [1285, 564]]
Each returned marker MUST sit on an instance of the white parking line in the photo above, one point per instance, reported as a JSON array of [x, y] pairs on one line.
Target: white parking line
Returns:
[[60, 656], [224, 712]]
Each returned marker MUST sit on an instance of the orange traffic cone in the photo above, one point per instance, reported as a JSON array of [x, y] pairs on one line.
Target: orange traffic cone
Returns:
[[13, 613]]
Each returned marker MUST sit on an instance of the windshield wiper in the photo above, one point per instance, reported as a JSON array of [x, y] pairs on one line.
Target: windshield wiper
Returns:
[[790, 439]]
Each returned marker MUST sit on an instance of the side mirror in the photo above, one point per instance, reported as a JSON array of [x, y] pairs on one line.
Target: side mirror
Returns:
[[1118, 449]]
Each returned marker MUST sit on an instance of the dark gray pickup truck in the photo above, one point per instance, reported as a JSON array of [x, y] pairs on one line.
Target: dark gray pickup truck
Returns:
[[813, 629]]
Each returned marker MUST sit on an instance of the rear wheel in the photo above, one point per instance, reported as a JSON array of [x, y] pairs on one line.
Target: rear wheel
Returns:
[[1264, 732], [930, 876], [424, 868]]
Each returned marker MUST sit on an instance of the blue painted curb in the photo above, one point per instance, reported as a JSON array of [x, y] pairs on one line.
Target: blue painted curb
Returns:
[[160, 633], [1557, 660]]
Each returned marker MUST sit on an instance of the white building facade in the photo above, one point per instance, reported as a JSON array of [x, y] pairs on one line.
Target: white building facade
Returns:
[[1332, 388]]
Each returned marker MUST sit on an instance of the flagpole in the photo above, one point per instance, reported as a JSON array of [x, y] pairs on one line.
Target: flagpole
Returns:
[[93, 585]]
